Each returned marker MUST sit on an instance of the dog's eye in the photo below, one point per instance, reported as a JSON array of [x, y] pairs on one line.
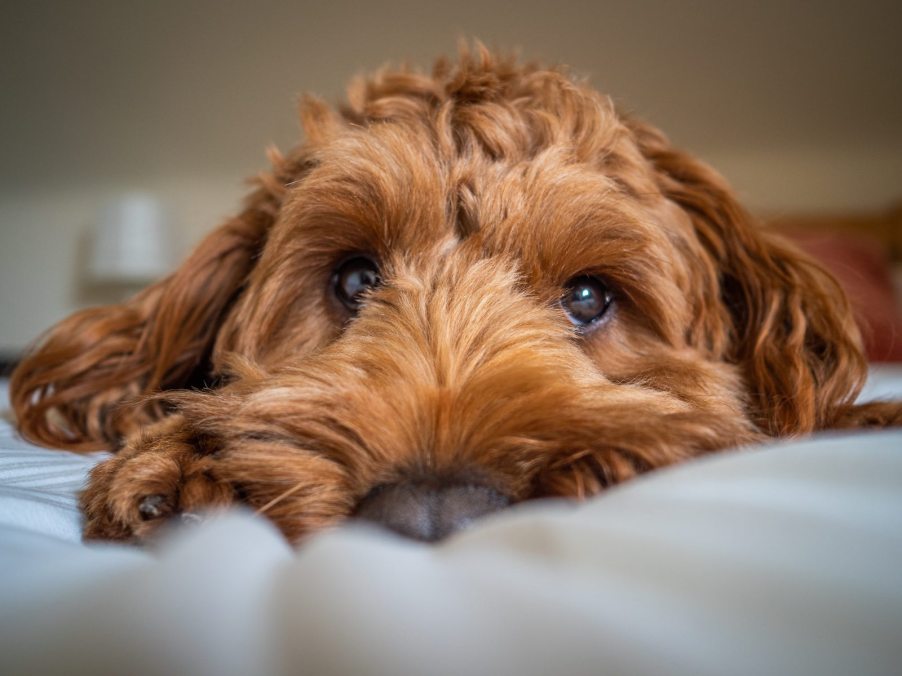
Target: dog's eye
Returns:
[[353, 278], [586, 300]]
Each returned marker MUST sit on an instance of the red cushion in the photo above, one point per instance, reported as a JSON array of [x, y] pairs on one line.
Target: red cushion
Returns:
[[862, 267]]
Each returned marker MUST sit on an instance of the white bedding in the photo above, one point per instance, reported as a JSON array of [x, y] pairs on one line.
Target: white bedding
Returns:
[[785, 560]]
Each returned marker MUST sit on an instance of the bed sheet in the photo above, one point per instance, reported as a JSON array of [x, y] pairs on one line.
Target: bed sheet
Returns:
[[780, 560]]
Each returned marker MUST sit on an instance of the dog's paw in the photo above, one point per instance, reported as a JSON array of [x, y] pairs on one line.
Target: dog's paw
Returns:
[[159, 475]]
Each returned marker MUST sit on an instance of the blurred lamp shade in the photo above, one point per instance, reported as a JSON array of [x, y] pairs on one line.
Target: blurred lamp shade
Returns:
[[131, 243]]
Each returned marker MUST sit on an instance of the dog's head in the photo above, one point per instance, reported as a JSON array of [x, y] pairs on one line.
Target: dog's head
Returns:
[[486, 283]]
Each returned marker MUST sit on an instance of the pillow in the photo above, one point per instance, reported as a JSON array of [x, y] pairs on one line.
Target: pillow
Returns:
[[779, 561]]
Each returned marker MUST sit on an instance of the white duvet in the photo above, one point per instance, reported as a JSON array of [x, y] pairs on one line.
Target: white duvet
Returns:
[[782, 560]]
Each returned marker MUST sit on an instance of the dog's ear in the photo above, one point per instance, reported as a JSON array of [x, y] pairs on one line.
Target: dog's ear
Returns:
[[791, 330], [67, 390]]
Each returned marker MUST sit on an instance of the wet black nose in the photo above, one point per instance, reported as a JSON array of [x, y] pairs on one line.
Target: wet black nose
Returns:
[[428, 511]]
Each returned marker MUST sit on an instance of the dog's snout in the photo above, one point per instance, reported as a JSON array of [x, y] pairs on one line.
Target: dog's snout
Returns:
[[429, 511]]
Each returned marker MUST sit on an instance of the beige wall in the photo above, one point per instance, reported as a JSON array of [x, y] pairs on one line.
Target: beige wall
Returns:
[[799, 104]]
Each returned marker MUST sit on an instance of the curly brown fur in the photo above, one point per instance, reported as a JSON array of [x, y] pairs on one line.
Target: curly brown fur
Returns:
[[481, 189]]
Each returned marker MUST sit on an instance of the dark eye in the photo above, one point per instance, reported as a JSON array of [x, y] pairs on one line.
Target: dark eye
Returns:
[[353, 278], [586, 300]]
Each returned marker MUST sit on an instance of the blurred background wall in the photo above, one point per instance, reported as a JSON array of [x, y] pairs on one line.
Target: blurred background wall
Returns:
[[799, 104]]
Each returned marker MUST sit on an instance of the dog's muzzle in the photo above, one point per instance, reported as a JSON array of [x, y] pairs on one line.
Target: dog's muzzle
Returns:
[[429, 511]]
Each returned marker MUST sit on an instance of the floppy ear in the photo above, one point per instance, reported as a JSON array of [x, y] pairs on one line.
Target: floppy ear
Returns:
[[791, 328], [68, 390]]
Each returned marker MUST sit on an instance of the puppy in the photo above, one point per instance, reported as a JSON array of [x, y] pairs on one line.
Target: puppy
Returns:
[[462, 291]]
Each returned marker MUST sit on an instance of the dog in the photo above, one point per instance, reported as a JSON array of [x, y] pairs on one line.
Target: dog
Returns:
[[463, 290]]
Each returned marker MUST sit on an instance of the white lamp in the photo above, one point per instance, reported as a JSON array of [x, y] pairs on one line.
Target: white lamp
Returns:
[[132, 244]]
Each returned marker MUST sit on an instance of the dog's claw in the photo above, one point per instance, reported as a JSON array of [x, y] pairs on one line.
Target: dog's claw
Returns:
[[151, 507], [191, 518]]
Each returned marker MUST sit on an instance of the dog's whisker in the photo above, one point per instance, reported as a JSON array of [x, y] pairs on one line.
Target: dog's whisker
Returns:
[[279, 498]]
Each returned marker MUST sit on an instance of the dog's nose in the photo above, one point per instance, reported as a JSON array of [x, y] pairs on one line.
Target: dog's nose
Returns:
[[426, 511]]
